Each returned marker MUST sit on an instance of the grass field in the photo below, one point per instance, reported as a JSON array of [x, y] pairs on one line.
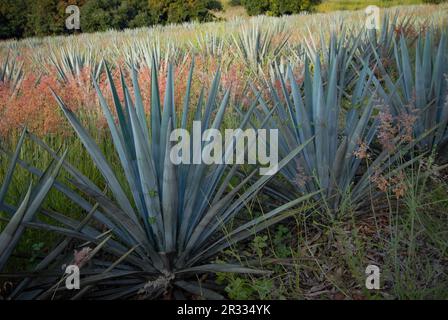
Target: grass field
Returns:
[[361, 116], [334, 5], [325, 6]]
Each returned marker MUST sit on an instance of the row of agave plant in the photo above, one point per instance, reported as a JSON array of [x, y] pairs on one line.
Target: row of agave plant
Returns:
[[334, 123], [11, 73], [247, 54], [219, 34], [255, 43]]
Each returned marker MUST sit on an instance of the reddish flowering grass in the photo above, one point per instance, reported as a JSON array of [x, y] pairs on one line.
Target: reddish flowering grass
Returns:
[[393, 128], [82, 256], [362, 151], [301, 178], [395, 183], [387, 130], [34, 106], [393, 131]]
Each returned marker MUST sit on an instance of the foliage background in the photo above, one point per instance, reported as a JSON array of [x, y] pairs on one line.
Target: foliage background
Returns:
[[27, 18]]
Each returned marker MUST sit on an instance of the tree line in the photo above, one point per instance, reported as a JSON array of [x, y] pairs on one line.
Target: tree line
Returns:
[[30, 18], [276, 7]]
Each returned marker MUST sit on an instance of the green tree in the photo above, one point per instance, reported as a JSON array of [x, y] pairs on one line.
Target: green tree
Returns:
[[12, 18], [278, 7], [47, 17], [254, 7], [138, 13], [177, 11], [20, 18], [99, 15]]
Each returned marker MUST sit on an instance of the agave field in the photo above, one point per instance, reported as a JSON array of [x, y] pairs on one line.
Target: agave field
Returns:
[[86, 178]]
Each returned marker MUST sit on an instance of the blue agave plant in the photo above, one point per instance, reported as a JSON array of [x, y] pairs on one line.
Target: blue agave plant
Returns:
[[168, 228]]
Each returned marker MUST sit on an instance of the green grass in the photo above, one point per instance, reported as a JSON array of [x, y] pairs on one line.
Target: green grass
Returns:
[[335, 5], [229, 12], [326, 259], [325, 6], [35, 243]]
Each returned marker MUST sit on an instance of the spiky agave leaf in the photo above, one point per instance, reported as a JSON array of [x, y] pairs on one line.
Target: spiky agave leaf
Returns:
[[69, 62], [255, 44], [422, 86], [11, 73], [29, 206]]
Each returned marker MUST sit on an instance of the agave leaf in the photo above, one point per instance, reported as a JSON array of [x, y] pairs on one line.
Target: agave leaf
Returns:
[[170, 196], [221, 267], [32, 207], [186, 107], [55, 287], [85, 289], [123, 152], [168, 116], [198, 290], [128, 225], [139, 104], [99, 160], [12, 164], [114, 212], [69, 192], [11, 228], [210, 104], [118, 107], [252, 227], [213, 212], [248, 194], [155, 112], [51, 257], [148, 177]]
